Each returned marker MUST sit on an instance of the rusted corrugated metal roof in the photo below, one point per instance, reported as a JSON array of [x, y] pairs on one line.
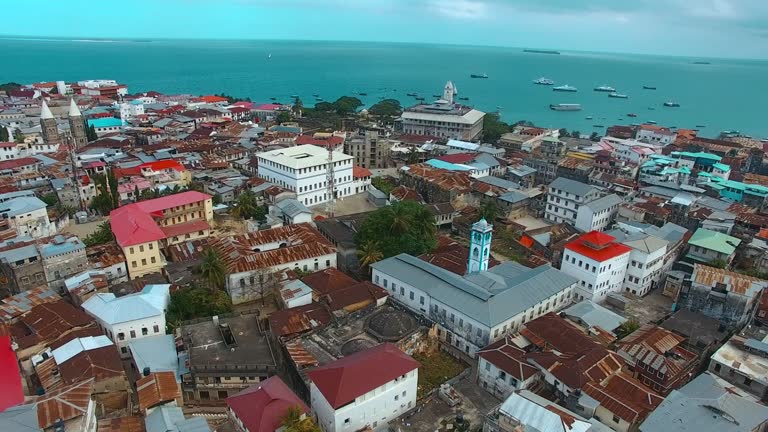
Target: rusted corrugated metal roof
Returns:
[[122, 424], [300, 356], [735, 282], [624, 397], [22, 303], [157, 388], [66, 403]]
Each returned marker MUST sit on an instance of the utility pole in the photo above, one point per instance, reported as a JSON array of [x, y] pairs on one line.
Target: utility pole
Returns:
[[330, 205]]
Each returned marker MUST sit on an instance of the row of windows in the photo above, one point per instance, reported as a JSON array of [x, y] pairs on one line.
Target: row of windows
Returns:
[[141, 248], [153, 260], [132, 333]]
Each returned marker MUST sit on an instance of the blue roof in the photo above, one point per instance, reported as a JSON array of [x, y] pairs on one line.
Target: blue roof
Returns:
[[105, 122], [437, 163], [136, 102], [721, 166], [151, 301], [21, 205], [158, 353], [61, 245]]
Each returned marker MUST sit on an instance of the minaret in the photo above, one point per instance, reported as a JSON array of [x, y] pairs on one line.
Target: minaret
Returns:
[[449, 92], [48, 124], [76, 126], [480, 246]]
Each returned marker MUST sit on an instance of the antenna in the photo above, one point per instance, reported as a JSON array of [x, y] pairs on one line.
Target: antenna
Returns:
[[330, 205]]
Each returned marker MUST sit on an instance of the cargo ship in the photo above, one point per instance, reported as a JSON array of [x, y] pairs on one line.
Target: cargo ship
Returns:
[[565, 107]]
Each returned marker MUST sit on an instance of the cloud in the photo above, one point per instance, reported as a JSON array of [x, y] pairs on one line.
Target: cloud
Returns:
[[460, 9]]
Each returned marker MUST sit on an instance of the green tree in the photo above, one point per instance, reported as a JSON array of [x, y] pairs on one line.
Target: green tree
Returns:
[[296, 421], [489, 210], [382, 184], [112, 181], [50, 199], [324, 106], [136, 193], [213, 270], [493, 128], [347, 105], [103, 202], [245, 205], [718, 263], [386, 108], [4, 135], [90, 132], [594, 137], [404, 227], [575, 134], [627, 328], [369, 253], [18, 136], [196, 302], [563, 132], [284, 117], [9, 86], [217, 199], [103, 234]]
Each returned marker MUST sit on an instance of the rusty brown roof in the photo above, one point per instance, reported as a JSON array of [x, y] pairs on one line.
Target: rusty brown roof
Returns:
[[300, 356], [624, 397], [22, 303], [300, 242], [325, 281], [736, 282], [99, 364], [659, 348], [404, 193], [66, 403], [157, 388], [300, 319], [122, 424], [447, 180], [107, 254], [48, 322]]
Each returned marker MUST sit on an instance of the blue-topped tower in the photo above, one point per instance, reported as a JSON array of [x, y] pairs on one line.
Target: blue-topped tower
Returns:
[[480, 246]]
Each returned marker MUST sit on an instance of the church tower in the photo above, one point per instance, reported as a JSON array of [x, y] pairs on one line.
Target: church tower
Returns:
[[76, 125], [48, 125], [480, 246]]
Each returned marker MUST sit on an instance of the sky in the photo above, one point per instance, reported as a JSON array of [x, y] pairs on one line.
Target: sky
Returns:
[[713, 28]]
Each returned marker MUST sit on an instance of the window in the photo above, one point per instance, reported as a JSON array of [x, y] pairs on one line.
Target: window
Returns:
[[121, 336], [421, 300], [152, 260], [223, 394], [133, 264], [143, 261], [402, 291], [124, 350], [747, 381], [376, 279], [385, 283], [487, 366], [133, 334], [144, 331], [151, 246], [616, 419], [156, 328], [410, 295], [131, 250], [141, 248], [346, 422]]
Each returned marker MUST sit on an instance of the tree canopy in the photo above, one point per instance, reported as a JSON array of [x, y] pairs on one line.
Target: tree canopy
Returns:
[[493, 128], [386, 108], [213, 270], [403, 227], [196, 302], [102, 235]]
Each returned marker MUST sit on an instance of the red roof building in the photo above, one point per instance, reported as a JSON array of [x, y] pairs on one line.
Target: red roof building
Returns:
[[10, 376], [261, 407], [458, 158], [599, 262], [211, 99], [344, 380], [598, 246], [332, 141], [360, 172]]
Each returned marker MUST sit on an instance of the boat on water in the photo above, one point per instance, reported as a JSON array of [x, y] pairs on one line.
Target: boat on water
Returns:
[[437, 96], [617, 96], [651, 109], [598, 126], [588, 118], [273, 98], [363, 94], [631, 115], [651, 122], [319, 99], [565, 88], [605, 89], [671, 104], [464, 98], [539, 51], [315, 95], [412, 94], [499, 107], [700, 126], [544, 81], [565, 107], [419, 99], [646, 87], [269, 56], [483, 76], [294, 96]]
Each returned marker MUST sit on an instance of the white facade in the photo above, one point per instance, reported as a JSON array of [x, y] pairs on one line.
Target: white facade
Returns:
[[598, 214], [643, 270], [129, 110], [375, 408], [28, 216], [563, 206], [656, 136], [498, 382], [597, 279], [304, 170]]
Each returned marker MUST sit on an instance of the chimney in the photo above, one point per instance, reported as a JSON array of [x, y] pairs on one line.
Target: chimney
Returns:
[[146, 371]]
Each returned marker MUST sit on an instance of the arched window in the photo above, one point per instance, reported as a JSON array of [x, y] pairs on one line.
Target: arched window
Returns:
[[476, 252]]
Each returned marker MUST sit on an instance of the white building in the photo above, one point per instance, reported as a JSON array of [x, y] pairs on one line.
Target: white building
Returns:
[[130, 317], [367, 389], [646, 260], [597, 215], [28, 216], [598, 262], [502, 368], [655, 134], [481, 307], [565, 196], [632, 151], [129, 110], [443, 118], [304, 170]]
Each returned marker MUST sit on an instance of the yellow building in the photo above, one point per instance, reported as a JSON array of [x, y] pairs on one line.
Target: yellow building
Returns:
[[145, 228]]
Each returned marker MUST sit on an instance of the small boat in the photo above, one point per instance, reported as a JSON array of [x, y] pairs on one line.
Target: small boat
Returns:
[[646, 87], [605, 89], [618, 96], [419, 98], [539, 51], [437, 96], [588, 118], [701, 63], [269, 56], [499, 107], [651, 109], [412, 94], [274, 99], [363, 94], [651, 122], [319, 99], [565, 107], [598, 126], [544, 81], [565, 88], [315, 95], [464, 98], [700, 126], [671, 104], [294, 96], [631, 115], [483, 76]]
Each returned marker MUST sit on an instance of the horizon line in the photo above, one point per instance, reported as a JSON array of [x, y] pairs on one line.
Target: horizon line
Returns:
[[151, 39]]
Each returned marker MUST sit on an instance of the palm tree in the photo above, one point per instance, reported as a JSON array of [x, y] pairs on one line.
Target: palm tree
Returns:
[[213, 269], [489, 210], [424, 222], [246, 205], [400, 220], [369, 253]]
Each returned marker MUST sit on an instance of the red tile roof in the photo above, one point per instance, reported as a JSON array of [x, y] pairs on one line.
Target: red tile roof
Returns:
[[331, 141], [506, 356], [17, 163], [404, 193], [325, 281], [261, 407], [625, 397], [12, 393], [267, 107], [176, 200], [458, 158], [163, 165], [211, 99], [598, 246], [347, 378], [360, 172], [185, 228]]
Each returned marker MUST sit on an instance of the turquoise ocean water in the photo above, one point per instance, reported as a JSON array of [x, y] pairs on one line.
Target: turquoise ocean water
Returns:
[[724, 95]]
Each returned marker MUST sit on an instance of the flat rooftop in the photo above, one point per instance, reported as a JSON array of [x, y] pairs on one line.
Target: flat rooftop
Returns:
[[302, 156], [210, 349]]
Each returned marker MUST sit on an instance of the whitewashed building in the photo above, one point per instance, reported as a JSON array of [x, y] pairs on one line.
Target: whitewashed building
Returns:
[[28, 216], [599, 214], [481, 307], [598, 262], [565, 197], [646, 260], [367, 389], [304, 171], [130, 317], [443, 118]]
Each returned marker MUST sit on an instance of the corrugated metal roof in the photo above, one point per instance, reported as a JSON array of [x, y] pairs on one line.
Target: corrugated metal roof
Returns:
[[22, 303], [571, 186], [157, 388], [76, 346], [152, 301]]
